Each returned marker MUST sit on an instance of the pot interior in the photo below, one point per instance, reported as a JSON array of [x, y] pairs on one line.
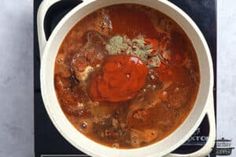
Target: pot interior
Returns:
[[83, 143]]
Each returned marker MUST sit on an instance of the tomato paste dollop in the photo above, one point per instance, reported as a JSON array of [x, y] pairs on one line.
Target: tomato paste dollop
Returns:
[[120, 79]]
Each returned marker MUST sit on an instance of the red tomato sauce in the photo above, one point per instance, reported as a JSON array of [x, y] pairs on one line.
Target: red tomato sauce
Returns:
[[120, 79]]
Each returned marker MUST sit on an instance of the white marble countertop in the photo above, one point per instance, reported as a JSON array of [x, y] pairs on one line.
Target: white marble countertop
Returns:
[[226, 69], [16, 76]]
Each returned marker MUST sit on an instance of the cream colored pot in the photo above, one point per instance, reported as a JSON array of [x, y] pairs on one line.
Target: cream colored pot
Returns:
[[203, 104]]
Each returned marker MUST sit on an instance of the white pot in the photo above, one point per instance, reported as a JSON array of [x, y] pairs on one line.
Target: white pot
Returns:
[[203, 104]]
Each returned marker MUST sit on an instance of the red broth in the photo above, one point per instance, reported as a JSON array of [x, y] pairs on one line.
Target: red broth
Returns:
[[126, 76]]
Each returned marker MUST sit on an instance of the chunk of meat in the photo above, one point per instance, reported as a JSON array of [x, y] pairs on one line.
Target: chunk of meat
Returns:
[[82, 72], [103, 23], [79, 63], [94, 48], [149, 135], [61, 68], [70, 102], [138, 137], [178, 97], [61, 84], [89, 56], [145, 100], [66, 97], [140, 114], [139, 118], [108, 128]]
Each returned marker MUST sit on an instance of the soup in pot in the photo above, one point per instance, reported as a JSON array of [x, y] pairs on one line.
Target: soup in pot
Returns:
[[126, 76]]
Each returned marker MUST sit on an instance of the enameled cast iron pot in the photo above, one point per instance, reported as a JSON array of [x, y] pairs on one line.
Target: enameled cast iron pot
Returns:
[[202, 106]]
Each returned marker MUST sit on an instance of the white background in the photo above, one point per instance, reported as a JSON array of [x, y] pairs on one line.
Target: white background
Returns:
[[16, 76]]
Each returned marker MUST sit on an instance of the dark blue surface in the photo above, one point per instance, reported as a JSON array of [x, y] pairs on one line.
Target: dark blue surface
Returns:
[[47, 138]]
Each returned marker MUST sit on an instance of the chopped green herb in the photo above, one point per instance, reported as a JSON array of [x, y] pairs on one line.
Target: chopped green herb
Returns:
[[116, 45], [137, 46]]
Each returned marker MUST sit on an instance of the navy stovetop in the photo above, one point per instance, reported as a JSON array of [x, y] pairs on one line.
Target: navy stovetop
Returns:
[[48, 140]]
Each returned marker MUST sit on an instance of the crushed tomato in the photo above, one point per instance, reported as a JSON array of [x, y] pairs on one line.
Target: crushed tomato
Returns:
[[120, 79]]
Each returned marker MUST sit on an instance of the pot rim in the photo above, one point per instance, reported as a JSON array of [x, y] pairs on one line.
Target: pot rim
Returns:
[[47, 93]]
